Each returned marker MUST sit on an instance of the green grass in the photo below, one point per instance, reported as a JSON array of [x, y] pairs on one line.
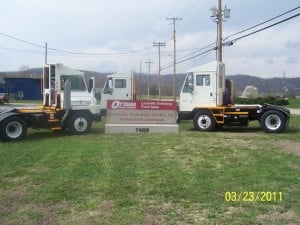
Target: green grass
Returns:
[[294, 103], [56, 178]]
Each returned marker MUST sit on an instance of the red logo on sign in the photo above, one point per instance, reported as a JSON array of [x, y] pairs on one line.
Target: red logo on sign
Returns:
[[141, 105]]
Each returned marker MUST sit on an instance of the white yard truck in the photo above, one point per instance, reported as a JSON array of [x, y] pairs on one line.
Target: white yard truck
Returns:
[[68, 103], [121, 86], [205, 98]]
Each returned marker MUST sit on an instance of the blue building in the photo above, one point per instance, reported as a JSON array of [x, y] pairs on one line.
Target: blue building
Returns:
[[21, 87]]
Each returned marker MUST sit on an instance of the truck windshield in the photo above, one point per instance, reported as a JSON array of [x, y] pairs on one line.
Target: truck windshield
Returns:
[[77, 82], [108, 88], [188, 84]]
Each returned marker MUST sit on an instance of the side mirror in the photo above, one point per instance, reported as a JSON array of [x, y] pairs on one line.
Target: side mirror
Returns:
[[91, 85]]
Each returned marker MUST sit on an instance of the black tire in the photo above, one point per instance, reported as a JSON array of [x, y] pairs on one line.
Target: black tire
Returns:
[[13, 128], [79, 123], [204, 121], [273, 121]]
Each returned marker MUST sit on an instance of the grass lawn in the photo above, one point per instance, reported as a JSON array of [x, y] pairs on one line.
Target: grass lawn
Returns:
[[294, 103], [55, 178]]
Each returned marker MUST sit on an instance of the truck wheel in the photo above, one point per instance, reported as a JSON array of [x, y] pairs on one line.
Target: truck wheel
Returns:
[[273, 121], [79, 123], [13, 128], [204, 121]]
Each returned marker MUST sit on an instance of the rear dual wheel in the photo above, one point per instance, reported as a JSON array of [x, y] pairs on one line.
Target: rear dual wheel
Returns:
[[273, 121], [13, 128]]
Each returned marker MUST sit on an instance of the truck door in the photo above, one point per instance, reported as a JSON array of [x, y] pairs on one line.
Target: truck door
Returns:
[[199, 90], [205, 89], [122, 89]]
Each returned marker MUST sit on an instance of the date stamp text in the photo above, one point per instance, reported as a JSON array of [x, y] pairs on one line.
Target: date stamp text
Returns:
[[253, 196]]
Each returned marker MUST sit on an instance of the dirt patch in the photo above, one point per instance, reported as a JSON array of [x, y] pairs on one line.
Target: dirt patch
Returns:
[[288, 146], [233, 210], [152, 217], [287, 217], [104, 209], [11, 204], [50, 212], [99, 210], [17, 211], [239, 140]]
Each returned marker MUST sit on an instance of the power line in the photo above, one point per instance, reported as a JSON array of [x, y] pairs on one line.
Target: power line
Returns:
[[264, 28], [74, 52], [100, 54], [188, 6], [282, 14], [236, 39], [21, 40], [21, 50], [192, 57]]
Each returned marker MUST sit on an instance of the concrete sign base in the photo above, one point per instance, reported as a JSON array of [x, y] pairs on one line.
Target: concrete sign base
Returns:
[[141, 128]]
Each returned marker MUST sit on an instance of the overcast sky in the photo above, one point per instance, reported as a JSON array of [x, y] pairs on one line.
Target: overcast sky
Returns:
[[117, 35]]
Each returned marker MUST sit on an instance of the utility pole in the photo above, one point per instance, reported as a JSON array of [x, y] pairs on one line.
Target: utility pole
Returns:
[[159, 44], [46, 52], [149, 68], [140, 83], [219, 16], [174, 54]]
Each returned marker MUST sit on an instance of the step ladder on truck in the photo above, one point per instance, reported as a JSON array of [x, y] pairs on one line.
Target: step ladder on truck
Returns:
[[206, 98]]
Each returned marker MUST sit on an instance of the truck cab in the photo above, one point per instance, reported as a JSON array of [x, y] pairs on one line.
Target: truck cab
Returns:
[[119, 85], [54, 93], [206, 99], [199, 88]]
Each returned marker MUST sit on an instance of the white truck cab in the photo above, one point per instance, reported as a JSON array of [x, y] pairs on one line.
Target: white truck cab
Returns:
[[200, 87], [119, 85], [205, 98], [82, 96]]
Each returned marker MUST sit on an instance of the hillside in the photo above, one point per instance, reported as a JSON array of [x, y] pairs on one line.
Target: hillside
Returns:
[[269, 86]]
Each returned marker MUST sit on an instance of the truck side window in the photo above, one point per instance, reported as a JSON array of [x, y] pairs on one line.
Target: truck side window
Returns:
[[188, 85], [120, 83], [203, 80]]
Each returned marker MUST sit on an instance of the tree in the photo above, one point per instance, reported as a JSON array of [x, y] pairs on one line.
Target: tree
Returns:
[[23, 70], [250, 92], [153, 91]]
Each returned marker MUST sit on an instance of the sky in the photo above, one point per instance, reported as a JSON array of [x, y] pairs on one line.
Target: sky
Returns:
[[116, 35]]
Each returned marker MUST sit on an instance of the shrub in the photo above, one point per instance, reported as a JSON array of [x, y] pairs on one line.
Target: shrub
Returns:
[[262, 100]]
